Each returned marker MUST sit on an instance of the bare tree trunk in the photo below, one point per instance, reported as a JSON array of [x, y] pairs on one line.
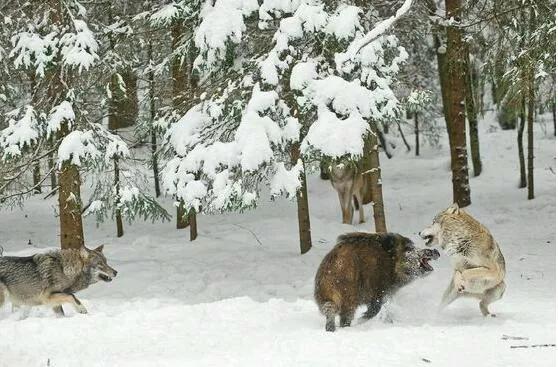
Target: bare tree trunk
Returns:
[[37, 178], [50, 161], [554, 112], [417, 138], [443, 74], [403, 137], [456, 112], [530, 116], [530, 123], [472, 117], [377, 192], [154, 160], [303, 209], [383, 143], [521, 128], [117, 211], [193, 225], [69, 202], [554, 102]]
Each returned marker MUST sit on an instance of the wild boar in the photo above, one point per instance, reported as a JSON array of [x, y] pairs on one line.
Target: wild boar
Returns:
[[364, 269]]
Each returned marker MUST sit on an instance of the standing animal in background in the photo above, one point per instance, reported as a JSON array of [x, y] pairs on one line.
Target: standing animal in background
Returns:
[[478, 262], [52, 278], [364, 269], [351, 185]]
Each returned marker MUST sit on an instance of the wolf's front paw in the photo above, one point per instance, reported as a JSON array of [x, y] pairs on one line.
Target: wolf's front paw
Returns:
[[459, 282]]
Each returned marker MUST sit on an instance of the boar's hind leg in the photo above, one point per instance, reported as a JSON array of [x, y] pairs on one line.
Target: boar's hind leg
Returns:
[[346, 317], [330, 323], [329, 309], [373, 308]]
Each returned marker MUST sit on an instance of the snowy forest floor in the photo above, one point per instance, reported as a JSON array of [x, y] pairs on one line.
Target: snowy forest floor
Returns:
[[241, 294]]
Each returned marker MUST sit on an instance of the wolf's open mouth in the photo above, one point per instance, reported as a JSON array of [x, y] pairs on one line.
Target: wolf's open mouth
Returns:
[[105, 278]]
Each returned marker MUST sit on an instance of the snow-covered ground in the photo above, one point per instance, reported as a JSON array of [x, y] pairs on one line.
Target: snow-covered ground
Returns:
[[241, 295]]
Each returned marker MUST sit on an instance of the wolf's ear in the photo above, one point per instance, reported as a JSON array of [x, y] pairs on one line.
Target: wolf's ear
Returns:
[[100, 248], [453, 209], [83, 252]]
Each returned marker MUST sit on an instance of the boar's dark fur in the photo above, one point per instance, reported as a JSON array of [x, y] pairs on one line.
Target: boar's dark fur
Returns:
[[364, 268]]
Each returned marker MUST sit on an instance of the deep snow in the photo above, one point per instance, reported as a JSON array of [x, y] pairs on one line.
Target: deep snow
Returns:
[[232, 299]]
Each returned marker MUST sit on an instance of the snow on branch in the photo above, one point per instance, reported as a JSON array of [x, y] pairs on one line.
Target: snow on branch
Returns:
[[358, 44], [21, 132]]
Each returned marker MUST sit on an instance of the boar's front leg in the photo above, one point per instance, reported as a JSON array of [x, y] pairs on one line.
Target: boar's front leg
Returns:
[[373, 308]]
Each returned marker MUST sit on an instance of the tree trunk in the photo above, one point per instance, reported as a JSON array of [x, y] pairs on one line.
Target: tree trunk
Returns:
[[530, 116], [442, 62], [69, 182], [154, 160], [117, 211], [554, 112], [456, 109], [472, 117], [383, 143], [179, 79], [69, 202], [554, 102], [417, 138], [181, 217], [303, 209], [193, 225], [50, 161], [530, 123], [403, 137], [377, 193], [521, 128], [37, 178]]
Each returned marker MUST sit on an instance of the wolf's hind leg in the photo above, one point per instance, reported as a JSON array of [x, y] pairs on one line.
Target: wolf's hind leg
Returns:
[[57, 299], [357, 198], [58, 310], [489, 296], [478, 280], [449, 296]]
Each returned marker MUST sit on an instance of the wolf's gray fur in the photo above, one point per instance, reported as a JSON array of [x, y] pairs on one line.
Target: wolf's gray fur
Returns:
[[479, 265], [52, 278], [351, 184]]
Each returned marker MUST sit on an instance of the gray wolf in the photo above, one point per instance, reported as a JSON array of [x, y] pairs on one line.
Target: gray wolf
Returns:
[[364, 269], [479, 266], [350, 184], [52, 278]]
